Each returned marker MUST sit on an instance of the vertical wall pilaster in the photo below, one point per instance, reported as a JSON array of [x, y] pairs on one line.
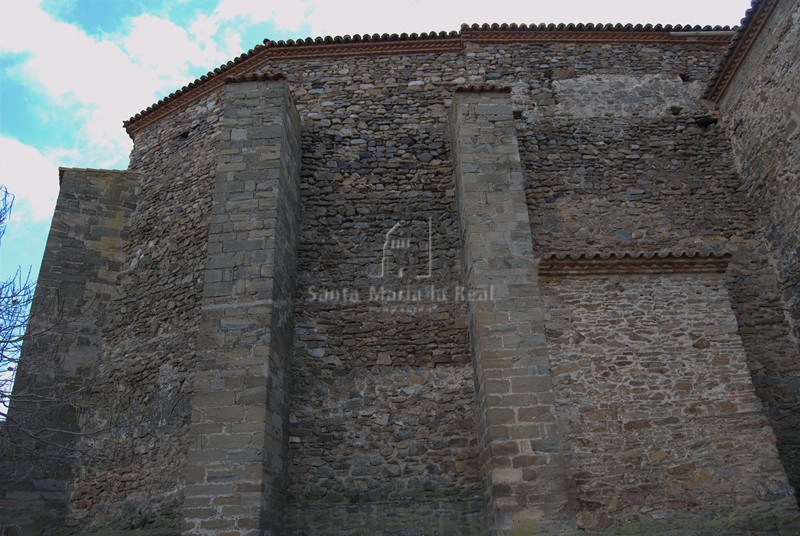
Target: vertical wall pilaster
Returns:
[[237, 462], [521, 450]]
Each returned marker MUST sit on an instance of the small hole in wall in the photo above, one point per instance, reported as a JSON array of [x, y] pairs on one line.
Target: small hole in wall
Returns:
[[705, 120], [182, 135]]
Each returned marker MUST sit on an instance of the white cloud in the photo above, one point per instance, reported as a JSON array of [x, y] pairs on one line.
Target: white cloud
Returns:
[[285, 14], [98, 82], [169, 55], [31, 177], [165, 54], [80, 78], [368, 16]]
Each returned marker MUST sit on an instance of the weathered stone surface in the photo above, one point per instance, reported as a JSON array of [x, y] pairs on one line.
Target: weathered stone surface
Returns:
[[658, 408], [389, 391], [78, 277], [506, 331], [138, 411], [240, 395], [761, 114], [382, 405], [614, 178]]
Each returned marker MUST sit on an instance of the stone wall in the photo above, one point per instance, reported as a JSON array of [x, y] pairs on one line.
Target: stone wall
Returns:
[[639, 174], [653, 172], [142, 384], [399, 419], [364, 169], [382, 404], [659, 413], [237, 460], [78, 276], [762, 113], [530, 69]]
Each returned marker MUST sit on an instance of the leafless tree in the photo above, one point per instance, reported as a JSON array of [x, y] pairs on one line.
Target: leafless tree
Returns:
[[30, 445], [16, 294]]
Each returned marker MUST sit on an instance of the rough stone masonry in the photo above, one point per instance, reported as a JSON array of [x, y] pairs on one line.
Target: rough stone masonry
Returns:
[[507, 280]]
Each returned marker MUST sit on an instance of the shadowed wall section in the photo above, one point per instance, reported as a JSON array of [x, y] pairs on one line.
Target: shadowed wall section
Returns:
[[76, 281], [761, 111]]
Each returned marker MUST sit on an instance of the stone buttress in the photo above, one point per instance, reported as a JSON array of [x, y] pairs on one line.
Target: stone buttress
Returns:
[[76, 281], [237, 462], [521, 450]]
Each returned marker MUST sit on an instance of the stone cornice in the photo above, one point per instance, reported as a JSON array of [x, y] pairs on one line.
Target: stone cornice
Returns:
[[426, 43], [556, 265], [753, 22]]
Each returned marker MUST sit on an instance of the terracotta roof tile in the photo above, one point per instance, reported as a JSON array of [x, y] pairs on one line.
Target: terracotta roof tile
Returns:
[[357, 38], [254, 77], [626, 262], [749, 28], [590, 27], [426, 42]]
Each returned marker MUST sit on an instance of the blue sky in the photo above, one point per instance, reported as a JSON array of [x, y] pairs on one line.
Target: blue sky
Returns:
[[72, 70]]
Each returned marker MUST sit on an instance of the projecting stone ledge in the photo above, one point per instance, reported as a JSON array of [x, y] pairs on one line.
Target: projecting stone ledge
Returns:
[[633, 263]]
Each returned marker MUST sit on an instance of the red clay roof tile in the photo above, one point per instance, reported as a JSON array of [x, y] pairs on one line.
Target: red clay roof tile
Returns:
[[749, 29], [424, 42]]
